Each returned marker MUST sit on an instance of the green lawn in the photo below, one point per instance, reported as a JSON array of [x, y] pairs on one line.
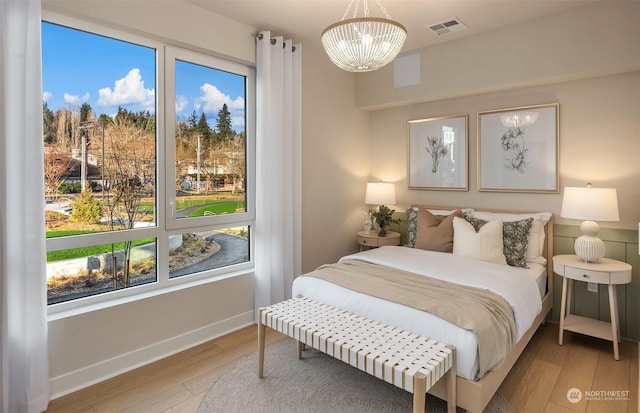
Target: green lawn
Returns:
[[81, 252], [217, 208], [65, 233]]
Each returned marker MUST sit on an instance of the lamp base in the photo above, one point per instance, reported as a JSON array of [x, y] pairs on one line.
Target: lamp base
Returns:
[[589, 248]]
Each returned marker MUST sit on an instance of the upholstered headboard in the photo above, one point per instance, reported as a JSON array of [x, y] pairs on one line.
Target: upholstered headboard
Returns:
[[400, 224]]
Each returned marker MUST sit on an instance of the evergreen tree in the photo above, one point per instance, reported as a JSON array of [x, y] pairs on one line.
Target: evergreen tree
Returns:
[[150, 128], [86, 113], [223, 126], [202, 128], [105, 119], [192, 120], [123, 116], [48, 124], [85, 208]]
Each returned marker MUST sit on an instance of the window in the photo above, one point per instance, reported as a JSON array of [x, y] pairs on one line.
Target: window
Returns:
[[209, 150], [148, 164]]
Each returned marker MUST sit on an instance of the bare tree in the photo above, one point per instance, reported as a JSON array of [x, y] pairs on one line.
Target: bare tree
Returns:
[[229, 156], [56, 163], [67, 130], [130, 169]]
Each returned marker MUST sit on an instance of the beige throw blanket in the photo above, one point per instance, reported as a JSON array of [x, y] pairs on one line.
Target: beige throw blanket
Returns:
[[488, 315]]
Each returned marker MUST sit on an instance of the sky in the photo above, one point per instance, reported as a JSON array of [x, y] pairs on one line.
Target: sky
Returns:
[[80, 67]]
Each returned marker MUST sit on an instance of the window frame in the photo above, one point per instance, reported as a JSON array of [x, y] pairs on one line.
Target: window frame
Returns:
[[165, 225], [215, 221]]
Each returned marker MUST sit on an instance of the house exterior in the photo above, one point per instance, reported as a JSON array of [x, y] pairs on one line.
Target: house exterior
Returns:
[[354, 131]]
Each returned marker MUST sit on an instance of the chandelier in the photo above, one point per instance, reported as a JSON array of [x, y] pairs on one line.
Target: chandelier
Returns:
[[363, 44], [519, 119]]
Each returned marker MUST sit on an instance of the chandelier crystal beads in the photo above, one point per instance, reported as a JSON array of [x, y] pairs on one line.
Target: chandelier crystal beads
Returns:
[[363, 44]]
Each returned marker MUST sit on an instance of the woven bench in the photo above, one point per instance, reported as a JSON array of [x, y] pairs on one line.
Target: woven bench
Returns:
[[408, 361]]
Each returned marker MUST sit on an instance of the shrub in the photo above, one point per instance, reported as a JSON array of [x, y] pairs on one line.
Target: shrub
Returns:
[[70, 188], [86, 208]]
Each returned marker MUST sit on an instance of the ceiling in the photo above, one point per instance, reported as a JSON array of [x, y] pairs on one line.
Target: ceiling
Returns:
[[304, 20]]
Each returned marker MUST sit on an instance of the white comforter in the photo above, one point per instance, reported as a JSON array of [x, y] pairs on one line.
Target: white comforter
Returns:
[[516, 285]]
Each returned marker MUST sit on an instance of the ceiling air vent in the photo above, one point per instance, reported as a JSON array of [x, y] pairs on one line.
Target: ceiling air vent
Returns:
[[449, 26]]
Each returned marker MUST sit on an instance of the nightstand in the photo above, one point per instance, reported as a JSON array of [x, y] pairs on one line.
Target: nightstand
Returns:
[[607, 271], [372, 240]]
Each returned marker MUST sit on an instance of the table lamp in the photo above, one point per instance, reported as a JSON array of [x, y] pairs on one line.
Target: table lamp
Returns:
[[590, 204], [380, 193]]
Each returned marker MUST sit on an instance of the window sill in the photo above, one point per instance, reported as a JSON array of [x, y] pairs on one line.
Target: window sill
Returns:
[[120, 297]]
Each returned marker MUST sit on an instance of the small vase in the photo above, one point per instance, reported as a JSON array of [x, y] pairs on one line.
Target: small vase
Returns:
[[382, 231]]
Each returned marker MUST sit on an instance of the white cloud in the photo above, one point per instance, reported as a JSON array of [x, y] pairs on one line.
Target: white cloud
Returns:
[[46, 96], [237, 122], [75, 99], [126, 91], [212, 99], [181, 103]]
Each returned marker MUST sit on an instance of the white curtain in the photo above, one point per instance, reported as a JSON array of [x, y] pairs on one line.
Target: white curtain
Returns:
[[24, 362], [278, 168]]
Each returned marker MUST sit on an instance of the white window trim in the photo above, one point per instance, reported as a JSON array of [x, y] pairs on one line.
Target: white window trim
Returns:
[[165, 226]]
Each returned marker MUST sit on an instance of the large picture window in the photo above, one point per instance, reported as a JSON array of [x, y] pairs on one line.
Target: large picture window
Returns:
[[141, 192]]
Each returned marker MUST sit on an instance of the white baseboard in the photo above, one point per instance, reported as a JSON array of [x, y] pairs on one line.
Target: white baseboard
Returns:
[[96, 373]]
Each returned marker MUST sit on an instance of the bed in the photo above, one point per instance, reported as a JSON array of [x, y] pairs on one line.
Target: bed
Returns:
[[524, 284]]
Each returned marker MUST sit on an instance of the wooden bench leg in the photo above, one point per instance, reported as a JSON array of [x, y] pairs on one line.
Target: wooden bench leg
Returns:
[[451, 382], [261, 332], [419, 392], [300, 349]]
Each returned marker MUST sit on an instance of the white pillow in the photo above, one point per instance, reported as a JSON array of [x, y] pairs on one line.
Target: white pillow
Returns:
[[536, 233], [485, 245]]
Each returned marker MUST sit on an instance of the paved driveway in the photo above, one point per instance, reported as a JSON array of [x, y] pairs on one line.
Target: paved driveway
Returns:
[[233, 250]]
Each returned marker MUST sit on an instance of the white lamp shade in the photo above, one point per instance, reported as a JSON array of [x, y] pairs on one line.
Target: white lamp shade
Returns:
[[379, 193], [590, 204], [594, 204]]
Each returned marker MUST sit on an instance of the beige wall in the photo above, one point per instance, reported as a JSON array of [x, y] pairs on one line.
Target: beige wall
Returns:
[[598, 90], [598, 39], [599, 143], [175, 22], [335, 160]]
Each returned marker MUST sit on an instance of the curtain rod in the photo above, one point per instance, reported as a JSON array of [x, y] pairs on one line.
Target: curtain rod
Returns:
[[260, 36]]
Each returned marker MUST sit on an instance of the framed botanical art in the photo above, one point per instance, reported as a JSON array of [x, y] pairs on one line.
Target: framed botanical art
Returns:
[[437, 153], [518, 149]]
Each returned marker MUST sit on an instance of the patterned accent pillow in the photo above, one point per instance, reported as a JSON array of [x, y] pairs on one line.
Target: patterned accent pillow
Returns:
[[412, 227], [515, 237]]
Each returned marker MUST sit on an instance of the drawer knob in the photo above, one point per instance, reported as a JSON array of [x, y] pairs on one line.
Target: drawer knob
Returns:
[[585, 275]]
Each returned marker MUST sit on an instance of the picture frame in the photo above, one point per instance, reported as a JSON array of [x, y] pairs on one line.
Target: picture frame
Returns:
[[437, 153], [518, 149]]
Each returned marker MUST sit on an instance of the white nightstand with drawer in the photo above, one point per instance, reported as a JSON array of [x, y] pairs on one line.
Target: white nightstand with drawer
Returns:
[[371, 239], [607, 271]]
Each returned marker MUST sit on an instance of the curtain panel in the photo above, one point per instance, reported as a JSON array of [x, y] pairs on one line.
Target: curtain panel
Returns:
[[24, 381], [278, 168]]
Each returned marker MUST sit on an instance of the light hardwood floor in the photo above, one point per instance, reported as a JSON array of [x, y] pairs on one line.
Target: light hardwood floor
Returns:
[[537, 383]]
